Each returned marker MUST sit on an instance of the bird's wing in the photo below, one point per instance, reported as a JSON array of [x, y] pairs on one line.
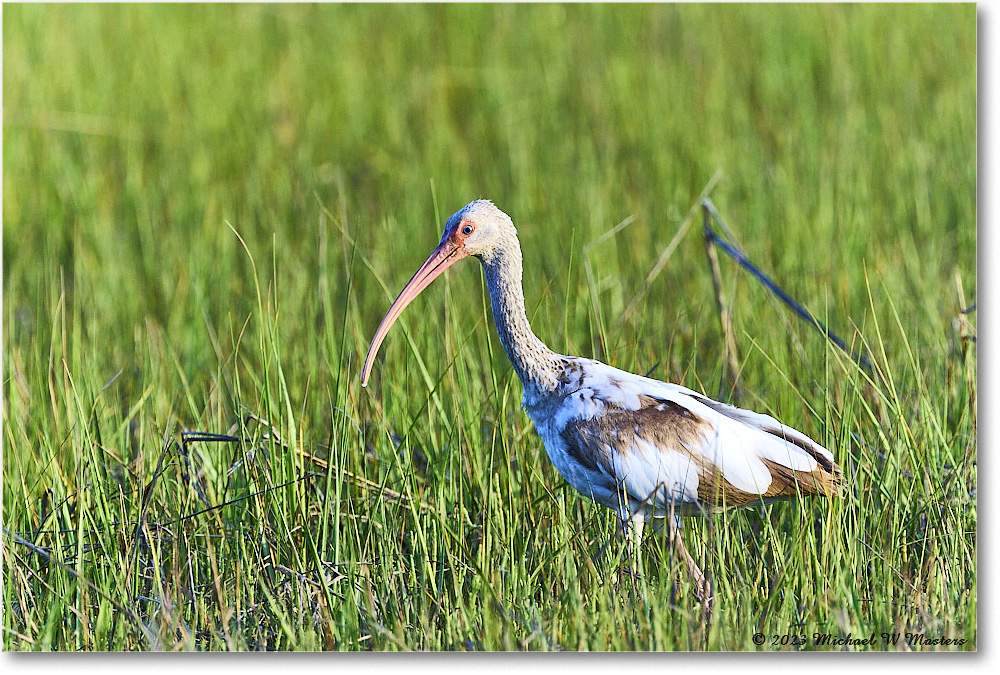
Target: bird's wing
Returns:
[[662, 444]]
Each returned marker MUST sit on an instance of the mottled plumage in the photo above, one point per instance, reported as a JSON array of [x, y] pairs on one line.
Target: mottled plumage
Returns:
[[644, 448], [640, 446]]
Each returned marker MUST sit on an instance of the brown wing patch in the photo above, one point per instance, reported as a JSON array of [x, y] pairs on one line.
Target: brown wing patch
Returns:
[[714, 491], [662, 423], [786, 482], [665, 424], [717, 493], [670, 426]]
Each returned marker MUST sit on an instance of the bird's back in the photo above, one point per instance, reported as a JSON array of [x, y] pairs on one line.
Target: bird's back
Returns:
[[641, 446]]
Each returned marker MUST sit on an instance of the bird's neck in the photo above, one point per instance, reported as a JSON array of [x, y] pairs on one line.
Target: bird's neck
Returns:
[[535, 364]]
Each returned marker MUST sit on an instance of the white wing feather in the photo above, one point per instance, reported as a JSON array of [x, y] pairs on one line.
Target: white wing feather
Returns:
[[737, 444]]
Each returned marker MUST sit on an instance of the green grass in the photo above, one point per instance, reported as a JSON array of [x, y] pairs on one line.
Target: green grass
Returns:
[[143, 145]]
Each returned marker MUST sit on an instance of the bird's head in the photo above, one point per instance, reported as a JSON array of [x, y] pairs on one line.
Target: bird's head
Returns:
[[478, 229]]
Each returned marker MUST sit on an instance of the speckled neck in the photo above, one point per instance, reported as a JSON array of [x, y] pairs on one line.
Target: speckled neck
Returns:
[[535, 364]]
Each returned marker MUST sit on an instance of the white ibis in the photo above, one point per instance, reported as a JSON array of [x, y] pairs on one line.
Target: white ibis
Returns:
[[645, 449]]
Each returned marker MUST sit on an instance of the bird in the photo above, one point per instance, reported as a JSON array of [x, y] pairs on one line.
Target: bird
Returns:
[[646, 449]]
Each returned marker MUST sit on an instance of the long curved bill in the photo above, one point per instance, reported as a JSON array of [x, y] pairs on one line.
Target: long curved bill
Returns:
[[444, 256]]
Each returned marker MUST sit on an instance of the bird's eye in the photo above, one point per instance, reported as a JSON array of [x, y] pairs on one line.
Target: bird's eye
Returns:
[[467, 230]]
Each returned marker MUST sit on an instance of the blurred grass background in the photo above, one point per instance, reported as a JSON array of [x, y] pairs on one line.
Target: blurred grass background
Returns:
[[335, 140]]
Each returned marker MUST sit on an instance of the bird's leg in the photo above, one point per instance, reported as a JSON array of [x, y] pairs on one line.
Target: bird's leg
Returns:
[[702, 585], [635, 527]]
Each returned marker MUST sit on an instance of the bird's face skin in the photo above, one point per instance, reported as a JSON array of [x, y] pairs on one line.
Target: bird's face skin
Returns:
[[477, 229]]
